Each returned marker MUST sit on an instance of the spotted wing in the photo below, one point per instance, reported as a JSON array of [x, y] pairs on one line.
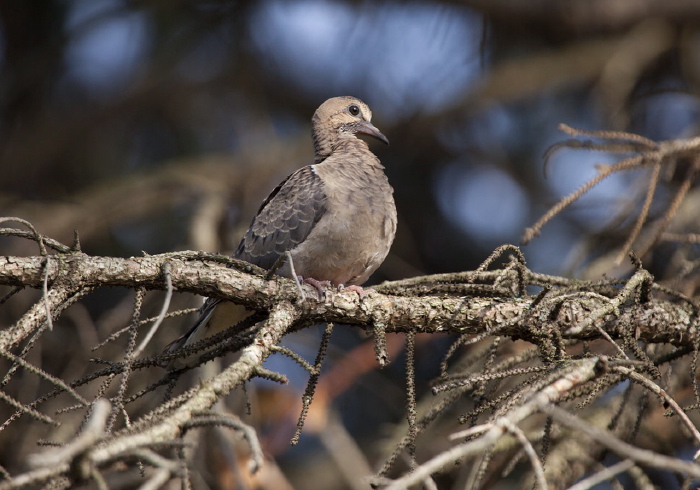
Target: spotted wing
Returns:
[[284, 219]]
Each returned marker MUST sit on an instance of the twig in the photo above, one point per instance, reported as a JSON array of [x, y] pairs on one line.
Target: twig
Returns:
[[43, 374], [310, 390], [654, 388], [35, 476], [529, 450], [603, 475], [613, 307], [24, 409], [39, 239], [159, 478], [232, 421], [99, 480], [471, 431], [94, 430], [411, 405], [45, 295], [163, 312], [648, 152], [673, 207], [603, 174], [379, 330], [54, 244], [641, 219], [637, 139], [642, 456]]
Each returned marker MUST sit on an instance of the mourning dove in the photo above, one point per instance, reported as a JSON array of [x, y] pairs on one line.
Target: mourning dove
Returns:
[[337, 217]]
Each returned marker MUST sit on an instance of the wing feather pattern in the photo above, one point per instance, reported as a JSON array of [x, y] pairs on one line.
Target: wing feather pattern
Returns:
[[284, 219]]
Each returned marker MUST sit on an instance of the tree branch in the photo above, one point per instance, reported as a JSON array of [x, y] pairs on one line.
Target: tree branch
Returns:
[[655, 321]]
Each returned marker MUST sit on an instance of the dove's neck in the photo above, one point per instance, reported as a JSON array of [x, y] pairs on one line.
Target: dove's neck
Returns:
[[350, 146], [323, 145]]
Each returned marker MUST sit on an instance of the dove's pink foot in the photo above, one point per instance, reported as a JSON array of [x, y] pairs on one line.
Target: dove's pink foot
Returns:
[[358, 289], [319, 285]]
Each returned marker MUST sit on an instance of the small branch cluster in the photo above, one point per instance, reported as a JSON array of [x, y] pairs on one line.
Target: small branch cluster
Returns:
[[646, 155]]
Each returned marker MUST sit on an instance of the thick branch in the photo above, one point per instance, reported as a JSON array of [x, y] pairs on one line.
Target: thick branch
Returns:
[[655, 321]]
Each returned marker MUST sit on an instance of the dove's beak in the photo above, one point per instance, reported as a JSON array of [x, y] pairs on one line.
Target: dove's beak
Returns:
[[366, 127]]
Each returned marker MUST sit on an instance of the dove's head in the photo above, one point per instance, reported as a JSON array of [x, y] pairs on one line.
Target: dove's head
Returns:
[[340, 118]]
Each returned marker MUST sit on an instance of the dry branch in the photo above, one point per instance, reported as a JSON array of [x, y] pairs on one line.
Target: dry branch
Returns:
[[645, 154], [656, 320]]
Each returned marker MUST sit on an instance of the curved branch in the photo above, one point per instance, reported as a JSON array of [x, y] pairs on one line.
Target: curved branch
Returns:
[[656, 321]]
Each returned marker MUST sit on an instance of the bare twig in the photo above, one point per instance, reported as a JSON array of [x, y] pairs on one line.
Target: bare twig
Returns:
[[232, 421], [39, 239], [23, 409], [52, 379], [641, 219], [648, 152], [310, 390], [603, 475], [623, 449], [654, 388], [159, 478], [163, 311], [531, 454], [411, 406], [94, 430]]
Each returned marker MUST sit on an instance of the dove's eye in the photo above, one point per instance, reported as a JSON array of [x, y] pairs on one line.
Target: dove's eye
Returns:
[[354, 110]]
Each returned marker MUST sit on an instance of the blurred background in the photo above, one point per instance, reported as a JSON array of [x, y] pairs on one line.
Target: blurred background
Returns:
[[160, 125]]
